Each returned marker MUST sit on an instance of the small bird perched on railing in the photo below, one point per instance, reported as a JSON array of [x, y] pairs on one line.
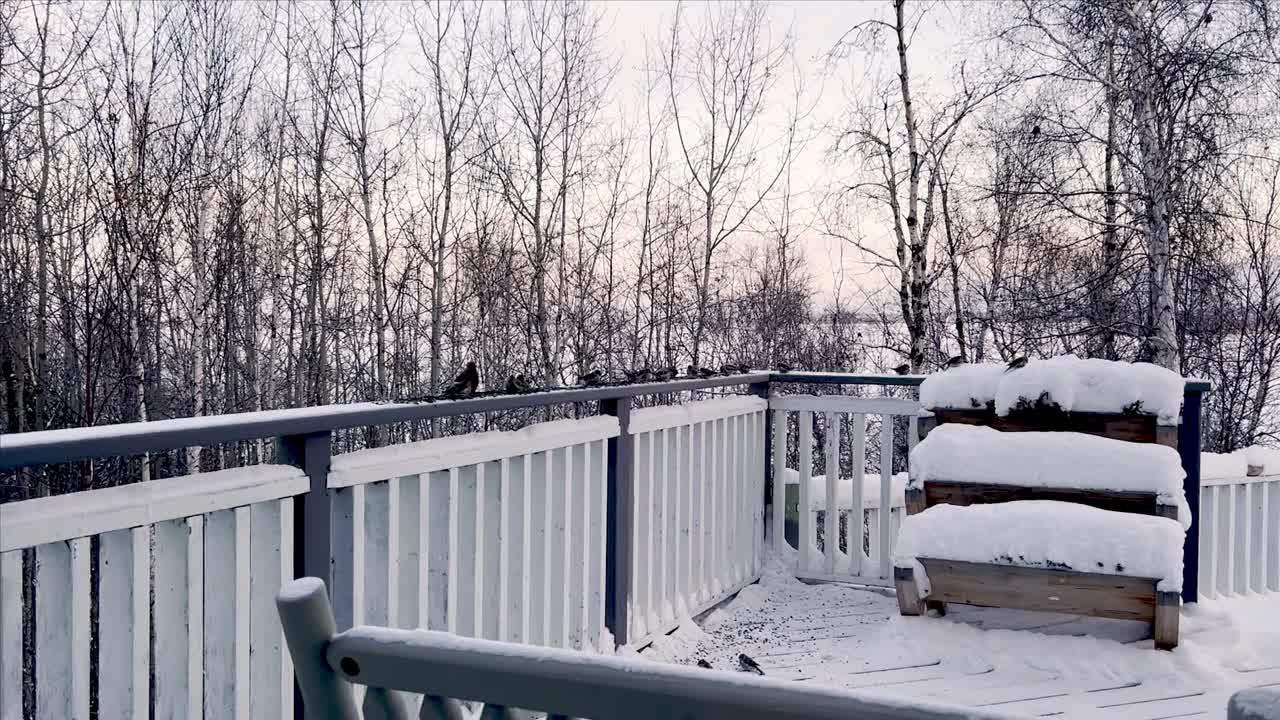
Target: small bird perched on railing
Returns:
[[638, 376], [665, 374], [784, 367], [704, 373], [1016, 363], [955, 362], [591, 378], [466, 384], [903, 369], [704, 664], [517, 384], [746, 664]]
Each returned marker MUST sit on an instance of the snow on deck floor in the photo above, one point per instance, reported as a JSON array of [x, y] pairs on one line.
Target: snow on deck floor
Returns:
[[1032, 664]]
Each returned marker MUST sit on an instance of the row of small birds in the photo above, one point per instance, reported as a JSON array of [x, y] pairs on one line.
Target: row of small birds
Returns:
[[468, 381]]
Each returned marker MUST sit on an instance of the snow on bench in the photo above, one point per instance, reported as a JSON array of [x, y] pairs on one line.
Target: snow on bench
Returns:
[[1073, 384], [1044, 534], [958, 453]]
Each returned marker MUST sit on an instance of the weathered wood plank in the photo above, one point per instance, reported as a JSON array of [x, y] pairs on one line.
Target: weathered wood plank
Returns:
[[116, 697], [1131, 428], [264, 566], [908, 592], [219, 618], [1065, 591], [947, 492], [80, 595], [1165, 623]]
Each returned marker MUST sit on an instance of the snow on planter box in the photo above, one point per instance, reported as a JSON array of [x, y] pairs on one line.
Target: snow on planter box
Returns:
[[1043, 555], [966, 464], [1128, 401]]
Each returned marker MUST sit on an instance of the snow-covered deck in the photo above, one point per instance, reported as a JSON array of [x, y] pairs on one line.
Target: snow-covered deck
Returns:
[[1032, 664]]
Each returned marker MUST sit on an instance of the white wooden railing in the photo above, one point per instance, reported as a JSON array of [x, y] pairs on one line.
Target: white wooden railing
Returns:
[[1239, 535], [869, 563], [194, 562], [496, 535], [699, 489]]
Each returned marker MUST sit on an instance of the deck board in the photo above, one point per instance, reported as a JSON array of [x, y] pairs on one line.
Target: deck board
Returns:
[[995, 658]]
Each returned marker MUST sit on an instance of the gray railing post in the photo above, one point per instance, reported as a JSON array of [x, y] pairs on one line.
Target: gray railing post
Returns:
[[761, 390], [1189, 451], [619, 521], [312, 524]]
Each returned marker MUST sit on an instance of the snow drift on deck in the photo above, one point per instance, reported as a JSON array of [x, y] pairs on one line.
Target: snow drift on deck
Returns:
[[1045, 533], [1072, 383]]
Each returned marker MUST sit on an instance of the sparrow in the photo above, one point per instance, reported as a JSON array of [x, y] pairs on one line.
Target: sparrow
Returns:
[[784, 367], [638, 376], [1018, 362], [746, 664], [465, 384], [665, 374], [704, 664], [517, 384], [903, 369], [955, 361], [591, 378]]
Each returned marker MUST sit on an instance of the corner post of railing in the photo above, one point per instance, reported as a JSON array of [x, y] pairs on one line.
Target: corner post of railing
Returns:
[[761, 390], [619, 521], [1189, 451]]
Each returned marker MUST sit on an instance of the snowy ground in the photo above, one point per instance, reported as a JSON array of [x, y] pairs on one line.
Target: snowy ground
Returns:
[[1032, 664]]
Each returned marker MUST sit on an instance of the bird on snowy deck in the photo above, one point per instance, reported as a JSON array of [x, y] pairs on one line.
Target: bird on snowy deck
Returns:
[[466, 384], [746, 664], [1018, 362], [955, 362]]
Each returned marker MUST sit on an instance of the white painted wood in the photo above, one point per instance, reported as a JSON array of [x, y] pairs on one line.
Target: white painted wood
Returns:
[[53, 631], [505, 540], [466, 551], [1273, 533], [1256, 542], [913, 431], [80, 595], [286, 559], [393, 533], [1226, 537], [29, 523], [571, 591], [452, 578], [220, 566], [831, 539], [691, 476], [647, 607], [886, 479], [265, 576], [718, 482], [700, 518], [171, 616], [140, 658], [359, 555], [857, 518], [1242, 517], [548, 536], [115, 634], [662, 515], [684, 511], [845, 404], [603, 643], [805, 456], [479, 542], [195, 613], [11, 640], [243, 627], [443, 454], [1208, 551], [585, 545], [779, 481], [526, 547]]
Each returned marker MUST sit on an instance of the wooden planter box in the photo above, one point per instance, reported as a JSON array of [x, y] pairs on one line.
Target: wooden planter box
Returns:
[[1045, 589], [1118, 426], [946, 492]]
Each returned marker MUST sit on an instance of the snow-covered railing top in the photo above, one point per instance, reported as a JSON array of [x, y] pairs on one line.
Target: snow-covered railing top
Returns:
[[1253, 461], [443, 453], [1072, 384]]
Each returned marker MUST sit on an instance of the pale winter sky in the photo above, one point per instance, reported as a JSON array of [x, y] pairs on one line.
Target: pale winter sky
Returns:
[[948, 35]]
